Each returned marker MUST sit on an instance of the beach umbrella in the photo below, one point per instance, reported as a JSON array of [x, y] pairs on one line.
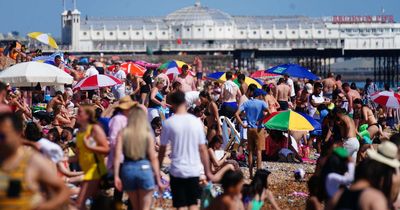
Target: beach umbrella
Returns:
[[292, 70], [287, 120], [148, 65], [249, 81], [386, 98], [261, 74], [173, 66], [312, 121], [44, 38], [29, 74], [130, 68], [221, 77], [97, 81]]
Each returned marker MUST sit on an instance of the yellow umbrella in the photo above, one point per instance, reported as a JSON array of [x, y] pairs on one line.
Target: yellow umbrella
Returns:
[[44, 38]]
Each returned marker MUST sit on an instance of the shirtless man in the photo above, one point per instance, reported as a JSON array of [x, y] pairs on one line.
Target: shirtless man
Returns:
[[348, 132], [230, 96], [339, 82], [367, 117], [243, 85], [272, 103], [351, 95], [283, 94], [329, 85], [55, 101], [24, 172]]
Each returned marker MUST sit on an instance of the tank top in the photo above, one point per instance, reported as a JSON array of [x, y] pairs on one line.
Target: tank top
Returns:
[[92, 164], [349, 200], [16, 179], [159, 97]]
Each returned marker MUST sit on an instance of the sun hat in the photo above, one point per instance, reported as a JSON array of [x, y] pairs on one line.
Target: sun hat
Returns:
[[309, 88], [126, 102], [386, 154]]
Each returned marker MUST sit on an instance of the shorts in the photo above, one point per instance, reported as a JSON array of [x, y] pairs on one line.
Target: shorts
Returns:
[[185, 191], [284, 105], [256, 139], [152, 113], [199, 75], [137, 175], [228, 109], [352, 146]]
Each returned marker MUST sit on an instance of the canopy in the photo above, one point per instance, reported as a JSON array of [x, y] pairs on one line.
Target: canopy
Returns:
[[44, 38], [287, 120], [29, 74], [292, 70]]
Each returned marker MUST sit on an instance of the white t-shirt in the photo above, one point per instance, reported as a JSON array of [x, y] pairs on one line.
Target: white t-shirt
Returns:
[[312, 111], [185, 133], [122, 76], [51, 150], [91, 71], [192, 97], [291, 84]]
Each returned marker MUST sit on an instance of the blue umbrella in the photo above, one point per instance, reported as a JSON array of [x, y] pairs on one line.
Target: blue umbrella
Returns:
[[292, 70]]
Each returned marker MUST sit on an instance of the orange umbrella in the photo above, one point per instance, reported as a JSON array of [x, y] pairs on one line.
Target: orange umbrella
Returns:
[[130, 68]]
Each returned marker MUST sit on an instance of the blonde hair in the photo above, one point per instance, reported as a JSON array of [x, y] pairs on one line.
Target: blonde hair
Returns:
[[159, 81], [91, 112], [136, 135]]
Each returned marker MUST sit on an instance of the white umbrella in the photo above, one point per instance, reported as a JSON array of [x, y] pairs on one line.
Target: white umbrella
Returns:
[[29, 74]]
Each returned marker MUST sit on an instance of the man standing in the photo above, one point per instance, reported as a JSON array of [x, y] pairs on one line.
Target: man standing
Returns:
[[91, 71], [351, 95], [315, 100], [23, 172], [243, 86], [329, 85], [348, 132], [230, 96], [187, 81], [255, 110], [186, 135], [282, 94], [290, 83], [119, 90]]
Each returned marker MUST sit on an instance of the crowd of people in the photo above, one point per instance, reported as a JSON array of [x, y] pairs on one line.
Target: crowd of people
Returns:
[[62, 148]]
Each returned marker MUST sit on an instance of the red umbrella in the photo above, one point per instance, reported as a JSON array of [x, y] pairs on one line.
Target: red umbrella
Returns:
[[387, 99], [130, 68], [263, 74], [96, 82]]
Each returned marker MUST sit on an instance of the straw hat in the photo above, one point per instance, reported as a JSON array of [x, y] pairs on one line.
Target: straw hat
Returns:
[[386, 154], [126, 102]]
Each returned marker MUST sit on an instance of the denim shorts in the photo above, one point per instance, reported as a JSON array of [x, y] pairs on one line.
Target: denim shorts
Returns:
[[137, 175]]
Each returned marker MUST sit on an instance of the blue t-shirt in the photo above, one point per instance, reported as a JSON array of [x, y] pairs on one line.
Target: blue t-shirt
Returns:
[[254, 109]]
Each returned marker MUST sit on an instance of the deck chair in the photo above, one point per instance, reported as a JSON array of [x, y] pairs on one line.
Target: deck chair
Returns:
[[230, 135]]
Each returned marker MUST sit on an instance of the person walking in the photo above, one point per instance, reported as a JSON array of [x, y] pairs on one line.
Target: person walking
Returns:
[[185, 133], [136, 174], [91, 142]]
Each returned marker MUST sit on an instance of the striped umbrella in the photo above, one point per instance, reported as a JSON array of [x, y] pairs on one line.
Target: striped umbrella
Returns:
[[44, 38], [130, 68], [387, 99], [287, 120], [97, 81], [173, 66]]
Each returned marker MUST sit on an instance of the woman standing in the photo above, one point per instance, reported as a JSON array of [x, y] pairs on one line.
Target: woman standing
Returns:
[[212, 115], [145, 87], [140, 166], [157, 101], [92, 145]]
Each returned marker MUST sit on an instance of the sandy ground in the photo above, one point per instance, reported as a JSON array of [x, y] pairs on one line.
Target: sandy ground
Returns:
[[281, 182]]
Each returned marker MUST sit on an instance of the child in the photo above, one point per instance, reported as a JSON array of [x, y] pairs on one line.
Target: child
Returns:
[[232, 184], [156, 125]]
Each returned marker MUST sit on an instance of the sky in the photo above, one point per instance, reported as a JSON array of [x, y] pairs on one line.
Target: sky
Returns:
[[26, 16]]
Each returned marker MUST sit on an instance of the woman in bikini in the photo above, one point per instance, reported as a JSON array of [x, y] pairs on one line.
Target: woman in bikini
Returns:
[[212, 115]]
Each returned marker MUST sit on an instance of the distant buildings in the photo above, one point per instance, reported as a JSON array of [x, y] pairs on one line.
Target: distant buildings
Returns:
[[199, 28]]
